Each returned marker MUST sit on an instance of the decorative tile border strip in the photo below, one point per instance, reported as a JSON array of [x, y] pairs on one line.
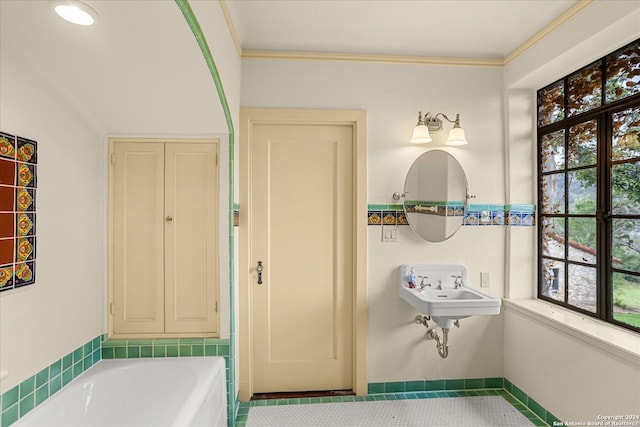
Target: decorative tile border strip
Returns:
[[476, 214], [172, 347], [483, 215], [386, 214], [18, 182], [425, 390], [520, 215], [18, 401]]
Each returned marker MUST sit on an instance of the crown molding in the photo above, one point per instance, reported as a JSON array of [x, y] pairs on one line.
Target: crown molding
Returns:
[[567, 15], [380, 59], [232, 28], [548, 29]]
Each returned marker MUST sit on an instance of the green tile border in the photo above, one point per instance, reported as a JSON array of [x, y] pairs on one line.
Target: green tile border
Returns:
[[436, 385], [519, 396], [21, 399], [234, 219], [33, 391], [384, 207], [244, 407], [476, 386], [429, 389], [520, 208], [165, 347]]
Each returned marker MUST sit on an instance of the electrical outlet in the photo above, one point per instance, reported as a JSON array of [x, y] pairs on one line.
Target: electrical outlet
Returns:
[[484, 280]]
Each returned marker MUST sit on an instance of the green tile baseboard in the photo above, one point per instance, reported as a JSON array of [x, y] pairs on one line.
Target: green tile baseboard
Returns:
[[243, 410], [521, 397], [436, 385], [30, 393], [430, 389], [458, 387], [21, 399]]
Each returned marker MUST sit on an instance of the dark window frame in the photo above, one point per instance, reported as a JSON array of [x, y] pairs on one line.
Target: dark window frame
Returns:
[[603, 216]]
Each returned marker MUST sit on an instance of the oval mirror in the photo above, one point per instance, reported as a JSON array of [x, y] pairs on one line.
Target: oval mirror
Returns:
[[435, 196]]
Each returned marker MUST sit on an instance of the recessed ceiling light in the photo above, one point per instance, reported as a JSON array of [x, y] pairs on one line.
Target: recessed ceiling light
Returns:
[[74, 11]]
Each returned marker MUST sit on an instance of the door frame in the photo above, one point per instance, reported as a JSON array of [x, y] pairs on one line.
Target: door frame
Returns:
[[357, 120], [110, 255]]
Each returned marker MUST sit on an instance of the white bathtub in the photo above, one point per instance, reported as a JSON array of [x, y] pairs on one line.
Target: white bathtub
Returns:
[[185, 391]]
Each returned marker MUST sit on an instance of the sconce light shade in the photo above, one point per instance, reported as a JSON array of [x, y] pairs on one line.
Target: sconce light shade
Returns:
[[434, 124], [456, 136], [420, 135]]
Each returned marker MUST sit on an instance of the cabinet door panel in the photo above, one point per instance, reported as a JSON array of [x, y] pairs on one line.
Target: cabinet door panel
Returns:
[[190, 238], [138, 238]]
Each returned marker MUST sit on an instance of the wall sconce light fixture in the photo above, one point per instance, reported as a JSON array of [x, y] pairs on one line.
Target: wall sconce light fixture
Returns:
[[434, 124]]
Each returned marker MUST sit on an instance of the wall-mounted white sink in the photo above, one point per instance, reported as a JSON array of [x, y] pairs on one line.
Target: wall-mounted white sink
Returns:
[[437, 297]]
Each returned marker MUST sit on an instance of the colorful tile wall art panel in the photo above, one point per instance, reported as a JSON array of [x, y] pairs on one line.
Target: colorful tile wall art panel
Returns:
[[18, 177]]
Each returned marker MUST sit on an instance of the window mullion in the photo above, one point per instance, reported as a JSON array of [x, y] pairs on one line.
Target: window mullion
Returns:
[[604, 229], [566, 203]]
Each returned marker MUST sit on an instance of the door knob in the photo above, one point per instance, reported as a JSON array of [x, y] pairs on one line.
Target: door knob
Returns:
[[169, 219]]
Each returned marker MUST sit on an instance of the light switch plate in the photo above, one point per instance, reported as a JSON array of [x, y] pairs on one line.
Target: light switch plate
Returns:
[[389, 233]]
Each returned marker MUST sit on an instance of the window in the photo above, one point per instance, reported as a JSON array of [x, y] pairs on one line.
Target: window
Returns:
[[589, 189]]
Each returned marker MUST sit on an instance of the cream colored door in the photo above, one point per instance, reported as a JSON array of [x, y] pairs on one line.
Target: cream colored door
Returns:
[[164, 238], [190, 243], [302, 231]]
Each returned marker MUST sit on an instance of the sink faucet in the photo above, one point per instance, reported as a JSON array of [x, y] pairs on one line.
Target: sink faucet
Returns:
[[457, 282], [422, 283], [439, 285]]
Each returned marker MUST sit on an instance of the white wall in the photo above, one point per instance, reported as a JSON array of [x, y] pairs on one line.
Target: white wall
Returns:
[[392, 95], [65, 308], [572, 378]]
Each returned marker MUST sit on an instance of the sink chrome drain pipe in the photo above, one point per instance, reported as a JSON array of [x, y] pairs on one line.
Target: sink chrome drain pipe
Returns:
[[441, 345]]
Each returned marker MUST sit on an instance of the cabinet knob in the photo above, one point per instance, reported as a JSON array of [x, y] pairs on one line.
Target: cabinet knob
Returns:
[[169, 219]]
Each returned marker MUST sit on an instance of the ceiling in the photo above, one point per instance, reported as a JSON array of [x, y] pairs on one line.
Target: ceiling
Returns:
[[142, 56], [487, 29], [138, 71]]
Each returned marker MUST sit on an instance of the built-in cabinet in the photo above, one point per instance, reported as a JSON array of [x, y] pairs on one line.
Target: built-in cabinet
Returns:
[[163, 238]]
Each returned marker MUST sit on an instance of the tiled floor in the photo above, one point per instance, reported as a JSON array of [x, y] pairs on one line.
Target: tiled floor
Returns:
[[469, 408]]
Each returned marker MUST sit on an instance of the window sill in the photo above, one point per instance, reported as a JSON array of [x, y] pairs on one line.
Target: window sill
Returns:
[[608, 338]]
